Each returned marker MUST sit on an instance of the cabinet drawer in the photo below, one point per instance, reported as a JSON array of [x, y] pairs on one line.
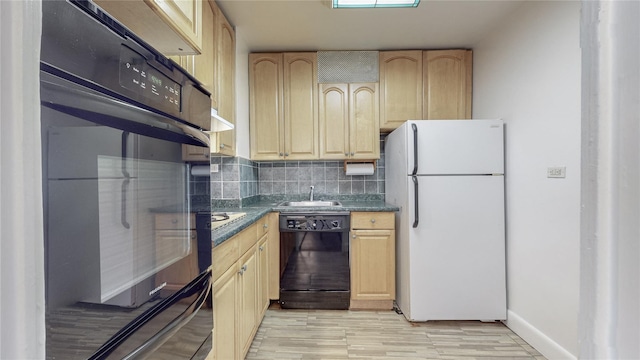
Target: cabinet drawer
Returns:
[[262, 227], [224, 255], [247, 238], [175, 221], [372, 220]]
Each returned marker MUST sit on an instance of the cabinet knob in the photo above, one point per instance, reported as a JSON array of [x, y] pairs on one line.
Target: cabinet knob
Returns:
[[352, 153], [193, 237], [261, 248], [265, 226], [373, 221], [286, 154], [221, 146], [242, 269], [281, 154], [353, 236], [346, 154], [174, 221]]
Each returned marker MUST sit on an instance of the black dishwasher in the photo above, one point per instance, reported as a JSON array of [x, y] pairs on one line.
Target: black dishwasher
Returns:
[[314, 260]]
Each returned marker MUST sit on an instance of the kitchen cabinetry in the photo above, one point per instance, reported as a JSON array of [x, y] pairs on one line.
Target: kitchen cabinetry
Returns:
[[273, 243], [349, 121], [203, 67], [266, 119], [240, 267], [215, 68], [248, 298], [172, 228], [225, 309], [224, 143], [265, 228], [170, 26], [400, 87], [447, 84], [372, 260], [432, 84], [283, 106]]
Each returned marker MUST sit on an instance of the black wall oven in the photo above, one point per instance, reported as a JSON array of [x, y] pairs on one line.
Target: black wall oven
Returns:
[[115, 114]]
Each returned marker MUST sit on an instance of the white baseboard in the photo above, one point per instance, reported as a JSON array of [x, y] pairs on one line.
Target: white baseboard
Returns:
[[541, 342]]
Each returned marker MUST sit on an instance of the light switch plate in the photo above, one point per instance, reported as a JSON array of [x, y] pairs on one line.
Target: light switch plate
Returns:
[[557, 172], [214, 168]]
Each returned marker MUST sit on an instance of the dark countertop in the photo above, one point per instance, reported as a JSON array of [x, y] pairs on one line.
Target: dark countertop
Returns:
[[259, 209]]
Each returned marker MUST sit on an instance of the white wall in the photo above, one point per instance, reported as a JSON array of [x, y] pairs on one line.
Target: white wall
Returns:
[[610, 263], [527, 72], [22, 325]]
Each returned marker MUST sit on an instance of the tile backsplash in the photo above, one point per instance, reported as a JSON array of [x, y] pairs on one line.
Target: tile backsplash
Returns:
[[239, 178]]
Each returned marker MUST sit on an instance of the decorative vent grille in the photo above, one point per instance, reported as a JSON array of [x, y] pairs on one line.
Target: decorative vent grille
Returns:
[[347, 66]]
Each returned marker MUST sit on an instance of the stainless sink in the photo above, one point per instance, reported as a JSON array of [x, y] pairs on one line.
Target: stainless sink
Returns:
[[318, 203]]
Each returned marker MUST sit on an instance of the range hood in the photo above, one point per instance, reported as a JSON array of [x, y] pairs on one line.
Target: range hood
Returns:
[[219, 124]]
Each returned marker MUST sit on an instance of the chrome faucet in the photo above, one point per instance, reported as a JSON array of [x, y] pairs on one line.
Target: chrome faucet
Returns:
[[311, 193]]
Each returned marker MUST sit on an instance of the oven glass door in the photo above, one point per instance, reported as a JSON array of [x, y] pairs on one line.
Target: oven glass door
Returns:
[[110, 170]]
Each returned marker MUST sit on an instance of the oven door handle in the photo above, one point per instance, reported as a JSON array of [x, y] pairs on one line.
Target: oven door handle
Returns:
[[78, 101], [166, 332], [201, 285]]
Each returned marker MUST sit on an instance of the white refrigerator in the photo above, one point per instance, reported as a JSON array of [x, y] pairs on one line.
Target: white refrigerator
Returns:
[[447, 178]]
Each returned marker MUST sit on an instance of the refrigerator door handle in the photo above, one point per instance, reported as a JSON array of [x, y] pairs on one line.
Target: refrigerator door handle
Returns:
[[415, 151], [415, 186]]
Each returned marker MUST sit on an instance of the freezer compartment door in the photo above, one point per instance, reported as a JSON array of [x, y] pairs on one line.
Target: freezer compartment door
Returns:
[[456, 147], [457, 251]]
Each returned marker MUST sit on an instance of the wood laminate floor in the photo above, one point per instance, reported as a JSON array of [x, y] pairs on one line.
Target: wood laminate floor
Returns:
[[376, 335]]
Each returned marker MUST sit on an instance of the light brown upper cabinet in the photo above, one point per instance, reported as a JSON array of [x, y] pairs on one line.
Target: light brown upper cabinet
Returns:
[[210, 40], [173, 27], [225, 142], [400, 87], [349, 121], [283, 106], [266, 117], [432, 84], [447, 84], [203, 67]]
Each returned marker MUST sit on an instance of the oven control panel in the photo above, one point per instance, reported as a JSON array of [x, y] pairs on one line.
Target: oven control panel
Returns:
[[310, 222], [138, 76]]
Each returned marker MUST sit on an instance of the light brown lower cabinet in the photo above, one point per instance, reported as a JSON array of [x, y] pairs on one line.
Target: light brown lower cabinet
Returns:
[[373, 275], [240, 297], [263, 252], [224, 315]]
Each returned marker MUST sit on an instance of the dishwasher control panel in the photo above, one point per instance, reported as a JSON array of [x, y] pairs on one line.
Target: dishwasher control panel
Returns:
[[314, 222]]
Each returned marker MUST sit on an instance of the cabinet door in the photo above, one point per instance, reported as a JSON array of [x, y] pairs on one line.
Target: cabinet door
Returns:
[[248, 297], [265, 104], [373, 265], [215, 28], [184, 16], [225, 344], [364, 123], [263, 277], [400, 87], [334, 121], [226, 141], [173, 27], [447, 84], [300, 106], [274, 255], [203, 63]]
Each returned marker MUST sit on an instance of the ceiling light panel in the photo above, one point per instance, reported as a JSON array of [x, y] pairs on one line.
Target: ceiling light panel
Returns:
[[343, 4]]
